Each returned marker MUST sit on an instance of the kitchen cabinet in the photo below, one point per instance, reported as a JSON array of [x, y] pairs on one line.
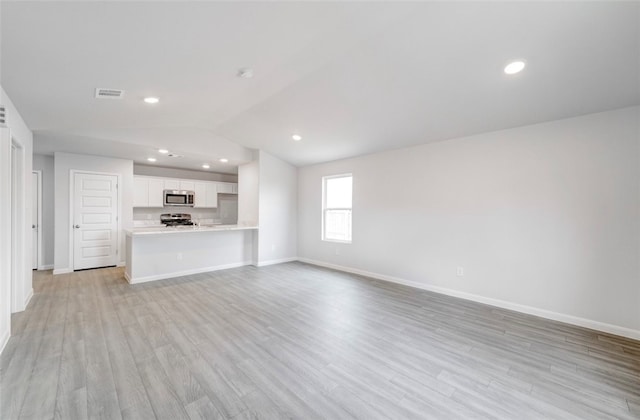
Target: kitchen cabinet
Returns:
[[171, 184], [206, 194], [140, 192], [178, 184], [187, 185], [156, 192], [147, 192], [227, 188]]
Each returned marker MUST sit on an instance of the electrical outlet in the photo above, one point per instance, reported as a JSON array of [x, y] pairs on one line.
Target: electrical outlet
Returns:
[[460, 271], [179, 256]]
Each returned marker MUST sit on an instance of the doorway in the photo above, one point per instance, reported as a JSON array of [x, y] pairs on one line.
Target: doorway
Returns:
[[94, 220]]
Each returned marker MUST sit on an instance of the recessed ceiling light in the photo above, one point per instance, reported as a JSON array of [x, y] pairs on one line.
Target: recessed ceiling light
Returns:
[[151, 100], [224, 160], [514, 67], [296, 137], [163, 151], [245, 73], [205, 166], [151, 159]]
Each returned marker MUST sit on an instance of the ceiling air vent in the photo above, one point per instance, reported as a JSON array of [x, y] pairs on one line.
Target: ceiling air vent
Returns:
[[173, 155], [102, 93], [3, 116]]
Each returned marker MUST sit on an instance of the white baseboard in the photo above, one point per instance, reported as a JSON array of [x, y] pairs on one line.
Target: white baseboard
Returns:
[[4, 340], [543, 313], [272, 262], [28, 298], [45, 267], [145, 279]]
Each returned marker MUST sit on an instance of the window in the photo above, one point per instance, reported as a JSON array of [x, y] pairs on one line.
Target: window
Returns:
[[336, 208]]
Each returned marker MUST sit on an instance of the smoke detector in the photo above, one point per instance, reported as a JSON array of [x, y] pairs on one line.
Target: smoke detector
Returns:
[[245, 73], [102, 93]]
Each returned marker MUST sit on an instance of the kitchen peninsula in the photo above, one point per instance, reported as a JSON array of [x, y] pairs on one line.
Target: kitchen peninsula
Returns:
[[155, 253]]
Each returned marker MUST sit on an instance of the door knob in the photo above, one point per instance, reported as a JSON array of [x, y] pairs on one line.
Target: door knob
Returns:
[[33, 226], [77, 226]]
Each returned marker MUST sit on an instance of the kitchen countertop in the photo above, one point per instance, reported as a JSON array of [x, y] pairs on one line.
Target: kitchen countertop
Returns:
[[162, 230]]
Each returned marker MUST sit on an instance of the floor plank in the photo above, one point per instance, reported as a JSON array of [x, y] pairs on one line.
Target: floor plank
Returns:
[[299, 341]]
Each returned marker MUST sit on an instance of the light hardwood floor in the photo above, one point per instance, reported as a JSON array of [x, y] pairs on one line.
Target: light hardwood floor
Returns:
[[298, 341]]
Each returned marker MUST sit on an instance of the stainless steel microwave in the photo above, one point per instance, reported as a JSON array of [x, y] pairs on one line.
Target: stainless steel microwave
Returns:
[[178, 198]]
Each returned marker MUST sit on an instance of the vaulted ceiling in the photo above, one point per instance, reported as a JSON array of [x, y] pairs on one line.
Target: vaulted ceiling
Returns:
[[351, 78]]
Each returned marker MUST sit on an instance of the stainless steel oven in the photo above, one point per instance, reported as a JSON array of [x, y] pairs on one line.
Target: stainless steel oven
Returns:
[[182, 198]]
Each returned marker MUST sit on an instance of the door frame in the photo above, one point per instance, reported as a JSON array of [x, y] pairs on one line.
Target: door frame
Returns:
[[6, 258], [72, 191], [40, 262], [19, 239]]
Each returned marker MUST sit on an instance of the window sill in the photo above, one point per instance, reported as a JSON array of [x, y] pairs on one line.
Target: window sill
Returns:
[[337, 241]]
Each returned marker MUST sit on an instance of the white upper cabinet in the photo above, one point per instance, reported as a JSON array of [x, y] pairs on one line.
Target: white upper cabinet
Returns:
[[171, 184], [227, 188], [179, 184], [156, 192], [206, 194], [147, 192], [200, 189], [187, 185], [211, 194], [140, 191]]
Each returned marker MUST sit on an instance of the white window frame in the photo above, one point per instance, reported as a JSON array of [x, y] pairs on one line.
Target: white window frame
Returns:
[[325, 208]]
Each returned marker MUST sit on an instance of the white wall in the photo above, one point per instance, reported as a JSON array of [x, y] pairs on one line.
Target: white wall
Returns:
[[44, 163], [248, 197], [544, 219], [19, 133], [248, 193], [64, 163], [278, 206]]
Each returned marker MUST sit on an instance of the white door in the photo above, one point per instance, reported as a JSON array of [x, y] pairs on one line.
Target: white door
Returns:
[[95, 221], [34, 220]]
